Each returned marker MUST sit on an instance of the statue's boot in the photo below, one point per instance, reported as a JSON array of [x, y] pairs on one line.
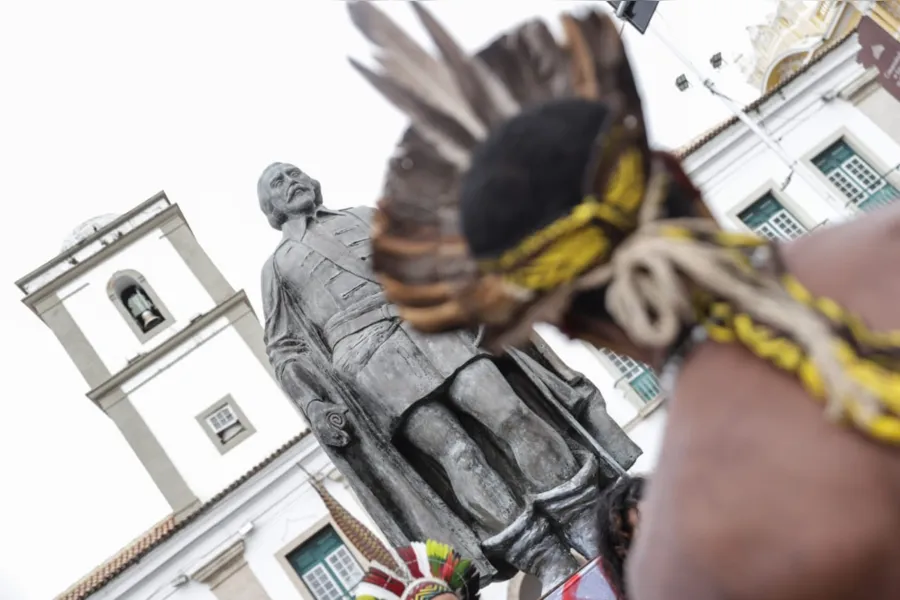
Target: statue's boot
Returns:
[[530, 545], [572, 508]]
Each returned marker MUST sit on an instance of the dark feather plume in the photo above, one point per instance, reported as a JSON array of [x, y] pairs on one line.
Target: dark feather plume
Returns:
[[420, 252]]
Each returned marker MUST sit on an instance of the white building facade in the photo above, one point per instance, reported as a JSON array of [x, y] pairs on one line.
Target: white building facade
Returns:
[[271, 537], [175, 357], [838, 125]]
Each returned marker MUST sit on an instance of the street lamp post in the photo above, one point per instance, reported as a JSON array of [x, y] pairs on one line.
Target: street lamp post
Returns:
[[637, 13], [793, 164]]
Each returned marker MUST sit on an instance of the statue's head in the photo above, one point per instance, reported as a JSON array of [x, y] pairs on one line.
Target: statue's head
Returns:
[[285, 192]]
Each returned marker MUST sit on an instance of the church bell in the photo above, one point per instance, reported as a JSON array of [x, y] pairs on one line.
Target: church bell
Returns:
[[141, 308], [149, 319]]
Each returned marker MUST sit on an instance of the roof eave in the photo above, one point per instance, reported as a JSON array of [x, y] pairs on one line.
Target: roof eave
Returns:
[[809, 74]]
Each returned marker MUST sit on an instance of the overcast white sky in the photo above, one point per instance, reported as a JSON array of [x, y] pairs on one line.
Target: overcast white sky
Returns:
[[104, 103]]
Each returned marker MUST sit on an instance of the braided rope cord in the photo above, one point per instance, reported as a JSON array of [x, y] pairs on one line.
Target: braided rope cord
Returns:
[[671, 274]]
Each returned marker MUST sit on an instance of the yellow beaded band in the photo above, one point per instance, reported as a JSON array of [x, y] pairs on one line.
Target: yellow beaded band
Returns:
[[569, 246], [876, 372]]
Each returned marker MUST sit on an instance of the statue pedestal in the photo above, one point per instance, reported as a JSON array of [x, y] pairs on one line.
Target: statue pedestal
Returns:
[[589, 583]]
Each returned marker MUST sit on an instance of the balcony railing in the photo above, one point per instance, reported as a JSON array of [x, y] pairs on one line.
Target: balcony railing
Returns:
[[883, 197]]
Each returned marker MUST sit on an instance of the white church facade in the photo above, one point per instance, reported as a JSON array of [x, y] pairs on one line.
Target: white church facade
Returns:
[[147, 319], [174, 356]]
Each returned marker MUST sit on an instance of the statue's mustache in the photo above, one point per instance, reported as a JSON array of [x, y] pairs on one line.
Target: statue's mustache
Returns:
[[300, 194], [298, 190]]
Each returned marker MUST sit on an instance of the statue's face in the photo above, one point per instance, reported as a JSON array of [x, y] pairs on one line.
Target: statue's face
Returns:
[[289, 190]]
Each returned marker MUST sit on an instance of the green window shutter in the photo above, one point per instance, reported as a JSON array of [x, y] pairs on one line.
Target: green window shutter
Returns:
[[315, 550], [854, 177], [769, 218], [834, 156], [639, 376], [888, 194], [760, 212], [646, 385], [326, 566]]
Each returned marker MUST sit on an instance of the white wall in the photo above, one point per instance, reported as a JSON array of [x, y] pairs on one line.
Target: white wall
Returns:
[[882, 108], [281, 506], [737, 168], [103, 325], [302, 510], [279, 509], [171, 393], [648, 434]]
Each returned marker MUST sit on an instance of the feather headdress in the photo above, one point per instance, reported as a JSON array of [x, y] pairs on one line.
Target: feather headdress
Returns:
[[525, 190], [430, 570], [467, 234]]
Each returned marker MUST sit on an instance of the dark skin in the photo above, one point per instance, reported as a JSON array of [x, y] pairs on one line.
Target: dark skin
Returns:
[[758, 496]]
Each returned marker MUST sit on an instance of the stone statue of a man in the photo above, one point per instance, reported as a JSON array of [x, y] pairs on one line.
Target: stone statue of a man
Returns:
[[498, 467]]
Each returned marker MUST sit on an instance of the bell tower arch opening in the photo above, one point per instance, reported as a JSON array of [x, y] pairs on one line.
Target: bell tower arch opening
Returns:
[[138, 303]]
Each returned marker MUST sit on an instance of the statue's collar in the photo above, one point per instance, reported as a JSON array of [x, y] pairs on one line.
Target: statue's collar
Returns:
[[296, 228]]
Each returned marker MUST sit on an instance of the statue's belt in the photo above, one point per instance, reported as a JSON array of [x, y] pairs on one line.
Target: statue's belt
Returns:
[[358, 317]]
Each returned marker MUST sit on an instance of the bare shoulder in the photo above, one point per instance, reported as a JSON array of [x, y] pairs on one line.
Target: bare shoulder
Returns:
[[756, 494]]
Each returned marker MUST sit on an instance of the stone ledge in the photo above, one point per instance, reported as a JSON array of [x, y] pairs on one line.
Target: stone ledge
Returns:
[[225, 564], [646, 410]]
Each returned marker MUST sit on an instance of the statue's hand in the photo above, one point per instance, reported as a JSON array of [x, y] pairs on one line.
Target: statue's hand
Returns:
[[329, 423]]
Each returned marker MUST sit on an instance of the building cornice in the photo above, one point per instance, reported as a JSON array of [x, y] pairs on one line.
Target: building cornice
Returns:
[[222, 565], [81, 267], [111, 226], [832, 66], [861, 87], [644, 413], [146, 360]]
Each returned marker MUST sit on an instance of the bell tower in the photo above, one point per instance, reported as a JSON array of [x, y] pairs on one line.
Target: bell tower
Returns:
[[168, 349]]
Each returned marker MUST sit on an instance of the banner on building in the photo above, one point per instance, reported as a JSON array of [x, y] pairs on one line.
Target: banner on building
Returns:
[[880, 50]]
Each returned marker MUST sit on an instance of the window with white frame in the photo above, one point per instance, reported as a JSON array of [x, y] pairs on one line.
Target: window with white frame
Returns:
[[640, 377], [854, 177], [326, 566], [345, 567], [322, 585], [768, 218], [225, 424]]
